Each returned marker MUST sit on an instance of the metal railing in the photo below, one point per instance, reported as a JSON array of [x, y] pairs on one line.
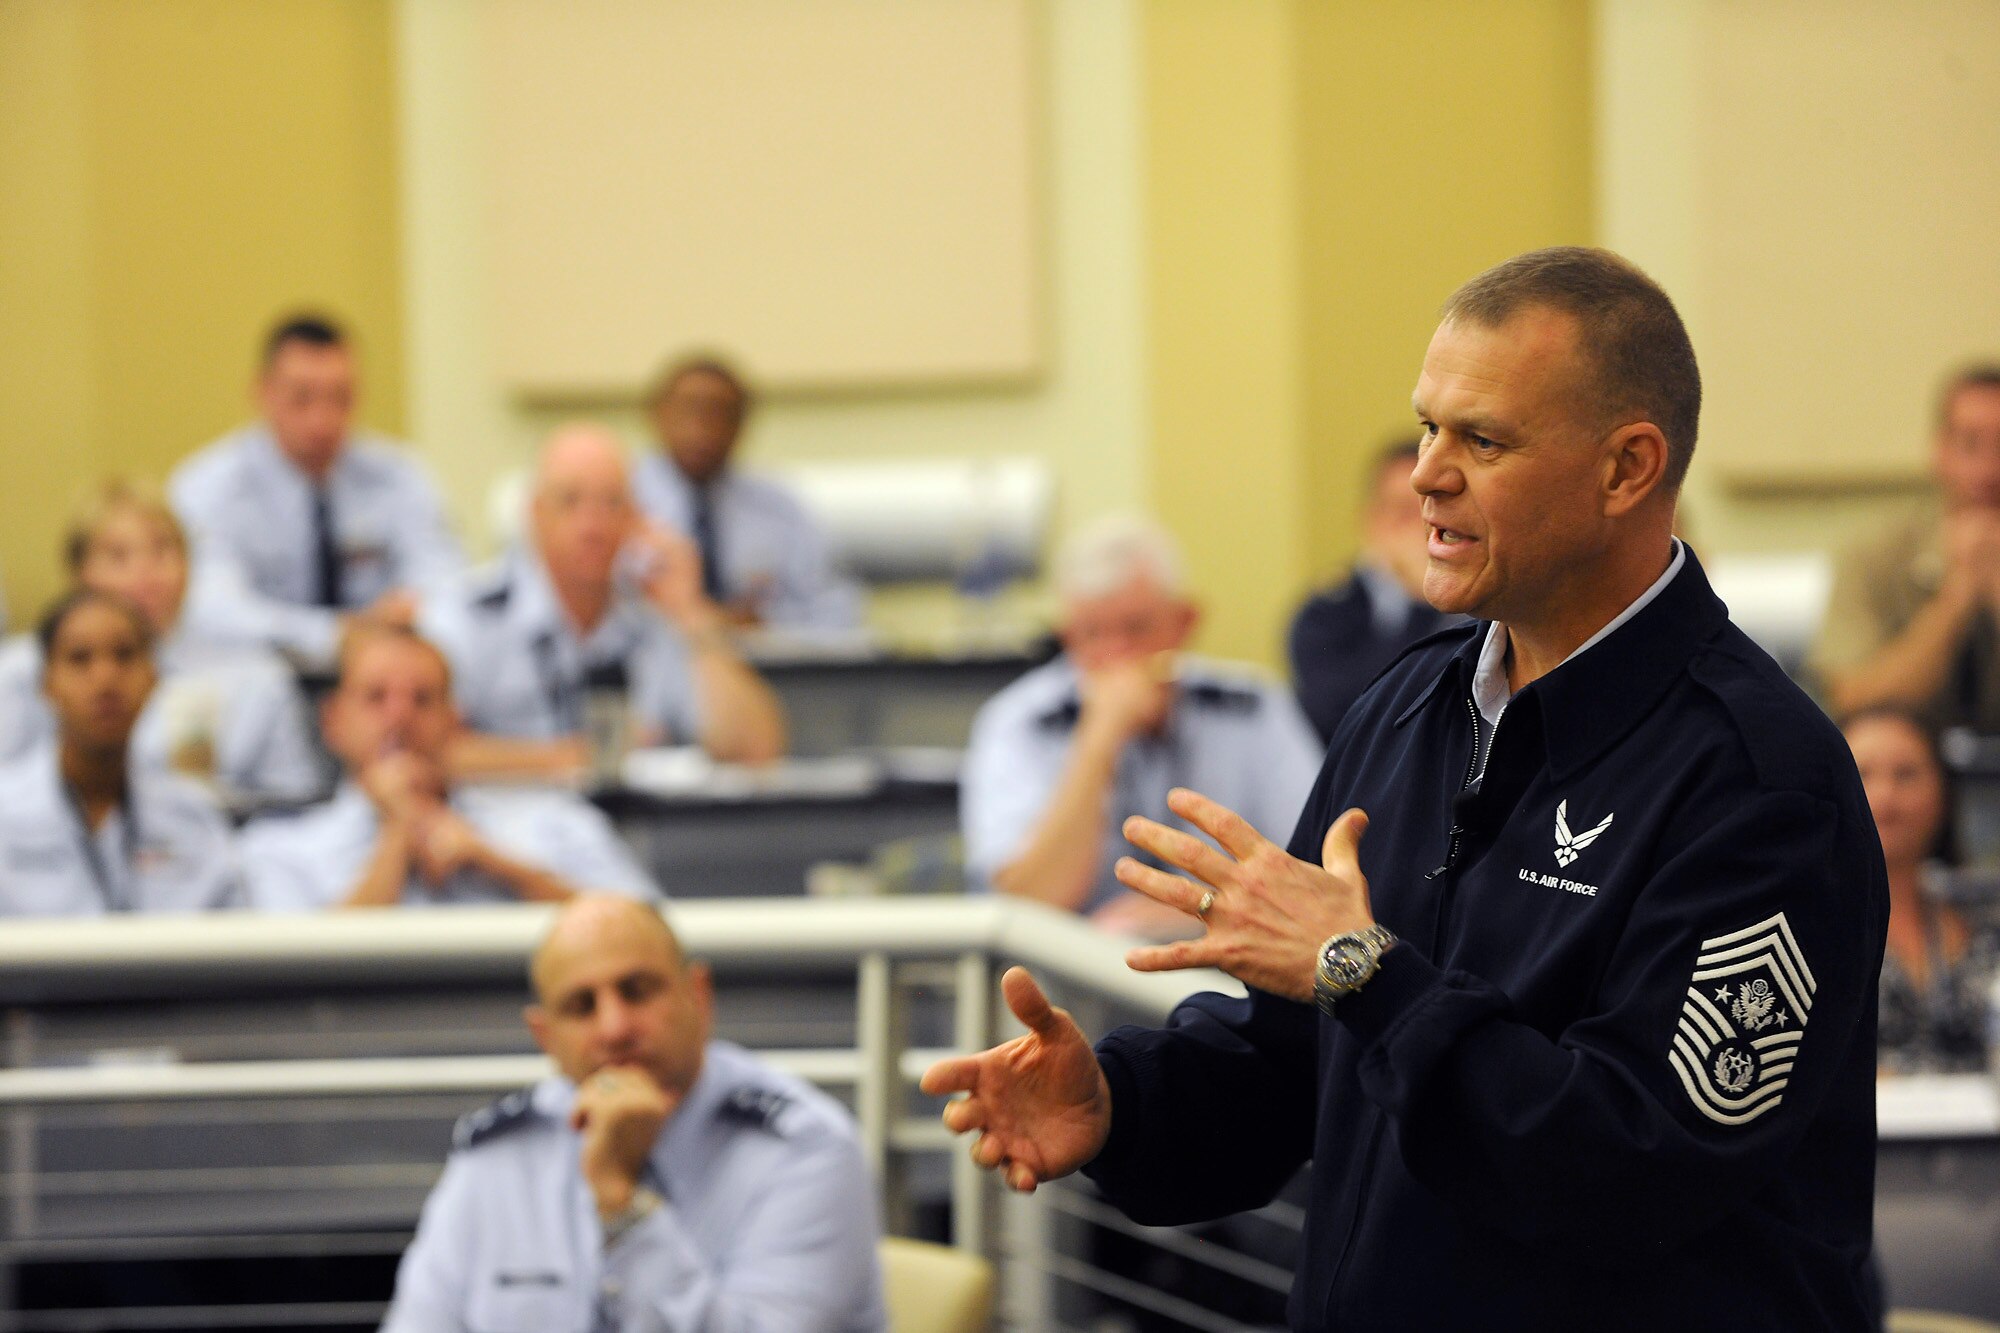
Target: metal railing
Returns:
[[912, 964]]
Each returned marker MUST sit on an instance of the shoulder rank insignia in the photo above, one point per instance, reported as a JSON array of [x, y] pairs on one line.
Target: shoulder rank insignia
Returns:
[[1224, 698], [490, 1122], [1061, 716], [761, 1107], [1742, 1021]]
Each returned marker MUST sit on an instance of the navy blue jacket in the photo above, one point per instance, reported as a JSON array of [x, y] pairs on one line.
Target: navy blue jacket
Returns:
[[1620, 1072]]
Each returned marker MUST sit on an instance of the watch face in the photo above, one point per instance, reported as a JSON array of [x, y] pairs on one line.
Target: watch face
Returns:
[[1346, 963]]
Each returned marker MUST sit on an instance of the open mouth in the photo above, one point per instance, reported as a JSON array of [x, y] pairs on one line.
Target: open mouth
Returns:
[[1443, 541]]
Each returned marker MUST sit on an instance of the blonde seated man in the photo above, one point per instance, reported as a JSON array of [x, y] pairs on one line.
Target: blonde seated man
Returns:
[[227, 714], [597, 596], [83, 830], [398, 830], [1062, 757], [662, 1182]]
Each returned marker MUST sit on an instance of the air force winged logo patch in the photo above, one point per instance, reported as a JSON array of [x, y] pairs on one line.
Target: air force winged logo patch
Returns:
[[1742, 1021], [1570, 845]]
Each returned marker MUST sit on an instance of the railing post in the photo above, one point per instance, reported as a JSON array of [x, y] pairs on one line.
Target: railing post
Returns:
[[972, 1219], [877, 1092]]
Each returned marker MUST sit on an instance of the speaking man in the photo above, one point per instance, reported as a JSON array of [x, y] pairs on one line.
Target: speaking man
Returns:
[[661, 1183], [1581, 1034]]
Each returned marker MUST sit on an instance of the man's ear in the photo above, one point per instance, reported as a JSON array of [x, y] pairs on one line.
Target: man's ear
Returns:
[[702, 980], [537, 1019], [1636, 459]]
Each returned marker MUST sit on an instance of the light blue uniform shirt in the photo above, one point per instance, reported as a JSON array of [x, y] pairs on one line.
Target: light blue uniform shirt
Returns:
[[769, 1224], [304, 862], [519, 668], [771, 549], [249, 512], [1233, 736], [243, 699], [167, 849]]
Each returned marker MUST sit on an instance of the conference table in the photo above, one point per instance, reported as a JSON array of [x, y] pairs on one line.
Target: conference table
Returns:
[[843, 692], [708, 830]]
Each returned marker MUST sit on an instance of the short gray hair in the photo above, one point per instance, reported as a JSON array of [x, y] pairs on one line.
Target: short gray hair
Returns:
[[1636, 354], [1106, 554]]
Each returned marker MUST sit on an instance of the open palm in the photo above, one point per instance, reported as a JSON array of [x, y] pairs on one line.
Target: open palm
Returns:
[[1039, 1101]]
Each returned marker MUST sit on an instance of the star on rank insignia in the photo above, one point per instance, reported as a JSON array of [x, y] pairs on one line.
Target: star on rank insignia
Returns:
[[1742, 1021]]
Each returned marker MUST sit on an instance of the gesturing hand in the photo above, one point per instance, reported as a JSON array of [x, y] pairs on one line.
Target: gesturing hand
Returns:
[[1271, 912], [1040, 1100]]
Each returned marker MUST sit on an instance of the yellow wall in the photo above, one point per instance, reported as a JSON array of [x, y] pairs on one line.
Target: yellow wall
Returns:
[[1321, 175], [175, 175], [1224, 331], [1816, 185], [1437, 139], [1084, 414]]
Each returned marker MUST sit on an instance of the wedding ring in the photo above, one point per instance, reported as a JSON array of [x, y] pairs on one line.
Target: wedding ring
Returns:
[[1207, 901]]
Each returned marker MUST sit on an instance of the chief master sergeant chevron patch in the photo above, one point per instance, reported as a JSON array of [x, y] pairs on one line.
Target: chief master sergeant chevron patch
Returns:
[[1742, 1021]]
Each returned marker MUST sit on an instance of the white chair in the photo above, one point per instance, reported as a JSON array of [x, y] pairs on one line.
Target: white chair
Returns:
[[934, 1288]]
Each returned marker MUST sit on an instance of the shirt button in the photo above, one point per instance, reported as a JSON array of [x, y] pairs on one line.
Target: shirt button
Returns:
[[613, 1287]]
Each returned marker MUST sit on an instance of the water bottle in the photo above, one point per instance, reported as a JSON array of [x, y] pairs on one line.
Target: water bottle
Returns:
[[607, 723]]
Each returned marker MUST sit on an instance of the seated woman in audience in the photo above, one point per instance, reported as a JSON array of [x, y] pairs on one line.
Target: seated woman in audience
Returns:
[[229, 715], [82, 830], [1938, 964]]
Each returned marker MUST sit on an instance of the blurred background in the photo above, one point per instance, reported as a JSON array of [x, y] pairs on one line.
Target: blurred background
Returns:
[[1088, 257], [1187, 251]]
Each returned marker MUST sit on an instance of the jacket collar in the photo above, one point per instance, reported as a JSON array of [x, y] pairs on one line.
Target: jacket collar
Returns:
[[1590, 701]]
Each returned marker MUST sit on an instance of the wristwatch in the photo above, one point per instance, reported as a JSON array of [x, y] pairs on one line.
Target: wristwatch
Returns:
[[1346, 962], [642, 1206]]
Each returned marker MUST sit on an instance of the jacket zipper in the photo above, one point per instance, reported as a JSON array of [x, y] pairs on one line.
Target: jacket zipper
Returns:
[[1475, 765]]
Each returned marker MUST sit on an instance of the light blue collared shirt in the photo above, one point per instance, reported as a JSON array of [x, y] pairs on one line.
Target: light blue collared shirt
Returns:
[[772, 551], [1234, 736], [309, 861], [244, 700], [167, 849], [519, 667], [249, 512], [769, 1224]]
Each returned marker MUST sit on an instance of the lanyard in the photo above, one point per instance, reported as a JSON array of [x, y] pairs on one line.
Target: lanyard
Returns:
[[108, 888]]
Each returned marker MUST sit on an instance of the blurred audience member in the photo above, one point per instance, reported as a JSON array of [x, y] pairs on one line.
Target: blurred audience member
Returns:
[[1912, 618], [231, 715], [1062, 757], [1937, 966], [301, 524], [82, 830], [1342, 638], [600, 601], [763, 558], [661, 1181], [399, 831]]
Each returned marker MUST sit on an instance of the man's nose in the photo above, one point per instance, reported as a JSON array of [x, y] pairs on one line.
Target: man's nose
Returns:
[[614, 1020]]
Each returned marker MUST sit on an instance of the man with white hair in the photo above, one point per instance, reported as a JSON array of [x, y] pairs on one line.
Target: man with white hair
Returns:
[[1060, 758], [598, 600]]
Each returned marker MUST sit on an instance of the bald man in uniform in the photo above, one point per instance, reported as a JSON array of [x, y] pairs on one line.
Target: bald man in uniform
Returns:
[[661, 1182], [598, 595]]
